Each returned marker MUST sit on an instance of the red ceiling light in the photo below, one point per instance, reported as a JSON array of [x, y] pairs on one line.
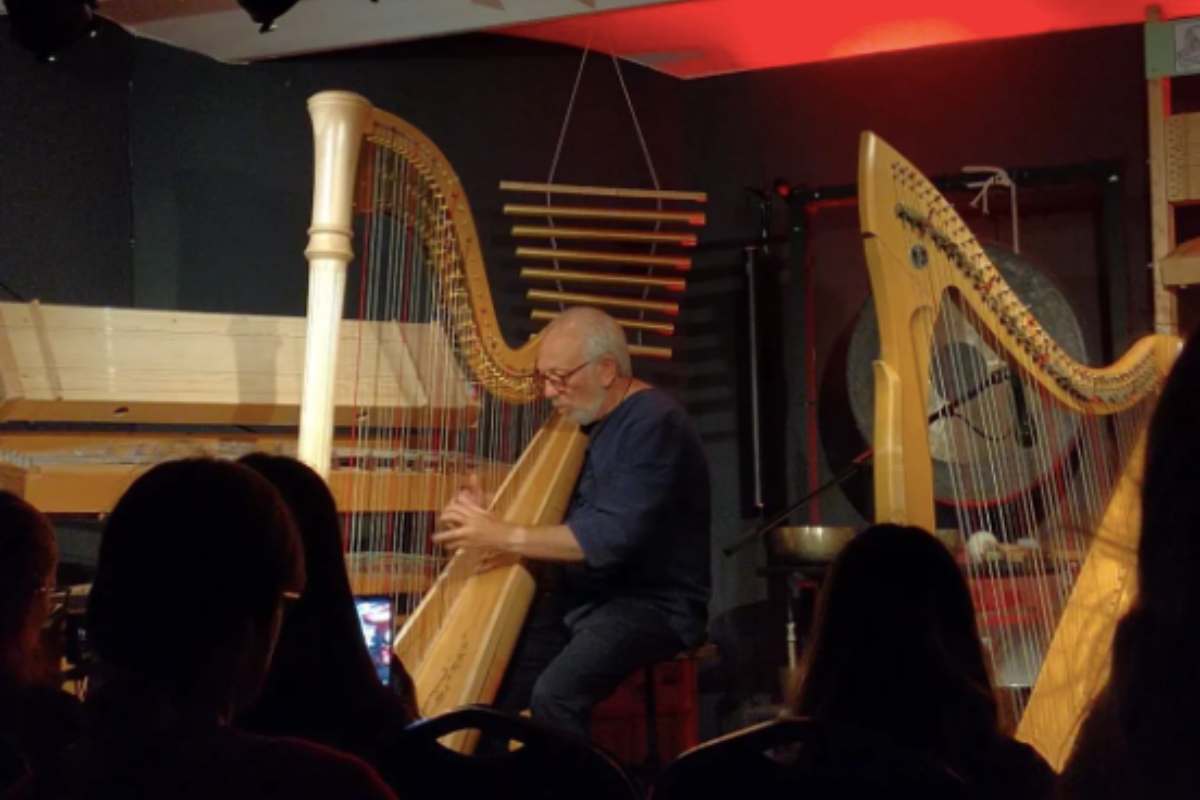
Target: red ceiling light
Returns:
[[709, 37]]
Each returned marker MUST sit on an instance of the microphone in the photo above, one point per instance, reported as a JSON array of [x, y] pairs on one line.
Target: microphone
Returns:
[[1025, 432]]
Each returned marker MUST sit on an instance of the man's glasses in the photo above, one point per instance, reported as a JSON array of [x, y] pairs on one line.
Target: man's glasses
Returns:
[[557, 379]]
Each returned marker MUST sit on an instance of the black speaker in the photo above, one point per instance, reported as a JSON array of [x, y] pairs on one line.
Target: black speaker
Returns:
[[47, 26], [265, 12]]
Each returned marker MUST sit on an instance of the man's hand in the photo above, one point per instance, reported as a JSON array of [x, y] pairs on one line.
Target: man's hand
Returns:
[[472, 490], [466, 523], [489, 560]]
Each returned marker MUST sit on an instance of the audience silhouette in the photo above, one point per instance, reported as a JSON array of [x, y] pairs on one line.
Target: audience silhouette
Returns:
[[896, 654], [200, 559], [1140, 738], [37, 719], [197, 561], [321, 644]]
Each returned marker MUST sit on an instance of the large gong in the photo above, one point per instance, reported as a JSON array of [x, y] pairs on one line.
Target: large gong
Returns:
[[989, 432]]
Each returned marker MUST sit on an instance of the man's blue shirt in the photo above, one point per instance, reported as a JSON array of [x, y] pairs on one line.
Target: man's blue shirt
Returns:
[[641, 513]]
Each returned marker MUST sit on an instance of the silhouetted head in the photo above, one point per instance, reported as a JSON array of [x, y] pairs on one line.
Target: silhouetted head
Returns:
[[195, 563], [315, 512], [28, 558], [1152, 689], [1169, 549], [895, 645], [1140, 737]]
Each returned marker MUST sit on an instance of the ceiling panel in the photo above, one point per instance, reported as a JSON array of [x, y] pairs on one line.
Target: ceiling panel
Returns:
[[685, 38], [223, 30]]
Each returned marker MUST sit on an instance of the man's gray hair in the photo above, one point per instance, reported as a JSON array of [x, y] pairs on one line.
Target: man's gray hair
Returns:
[[601, 335]]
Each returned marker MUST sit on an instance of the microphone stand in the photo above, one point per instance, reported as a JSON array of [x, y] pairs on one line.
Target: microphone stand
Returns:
[[764, 211], [856, 464], [862, 459], [753, 252]]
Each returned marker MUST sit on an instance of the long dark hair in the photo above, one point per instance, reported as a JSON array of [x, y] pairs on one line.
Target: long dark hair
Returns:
[[895, 648], [194, 547], [321, 643], [1141, 731]]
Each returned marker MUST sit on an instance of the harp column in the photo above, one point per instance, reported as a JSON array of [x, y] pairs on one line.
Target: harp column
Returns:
[[339, 120]]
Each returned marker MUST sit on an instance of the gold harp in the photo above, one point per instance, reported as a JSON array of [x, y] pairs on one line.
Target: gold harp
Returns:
[[1037, 449]]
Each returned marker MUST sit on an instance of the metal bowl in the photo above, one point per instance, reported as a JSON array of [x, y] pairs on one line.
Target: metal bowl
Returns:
[[820, 544], [808, 544]]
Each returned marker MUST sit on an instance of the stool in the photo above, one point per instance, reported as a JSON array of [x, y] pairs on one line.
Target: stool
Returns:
[[654, 715]]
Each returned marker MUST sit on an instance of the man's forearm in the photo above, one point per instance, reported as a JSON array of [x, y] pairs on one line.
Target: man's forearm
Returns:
[[545, 543]]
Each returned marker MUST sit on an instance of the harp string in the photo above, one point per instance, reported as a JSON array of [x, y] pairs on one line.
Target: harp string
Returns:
[[412, 274]]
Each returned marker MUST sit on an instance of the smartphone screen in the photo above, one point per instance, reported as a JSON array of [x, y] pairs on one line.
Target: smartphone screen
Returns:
[[375, 619]]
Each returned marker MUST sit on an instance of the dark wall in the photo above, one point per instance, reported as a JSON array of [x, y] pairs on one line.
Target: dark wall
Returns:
[[223, 171], [65, 192]]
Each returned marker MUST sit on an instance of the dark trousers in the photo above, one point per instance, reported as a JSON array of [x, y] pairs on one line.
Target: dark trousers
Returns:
[[560, 672]]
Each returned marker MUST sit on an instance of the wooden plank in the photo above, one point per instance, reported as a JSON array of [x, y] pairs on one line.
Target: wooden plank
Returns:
[[605, 235], [1181, 267], [681, 263], [89, 479], [581, 299], [651, 351], [602, 278], [79, 364], [693, 218], [658, 328], [604, 191], [1162, 216]]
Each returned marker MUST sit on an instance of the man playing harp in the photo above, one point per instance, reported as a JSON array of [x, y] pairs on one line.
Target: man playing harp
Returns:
[[624, 580]]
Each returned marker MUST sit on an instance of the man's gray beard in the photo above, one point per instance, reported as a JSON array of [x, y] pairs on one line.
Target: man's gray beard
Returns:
[[588, 415]]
